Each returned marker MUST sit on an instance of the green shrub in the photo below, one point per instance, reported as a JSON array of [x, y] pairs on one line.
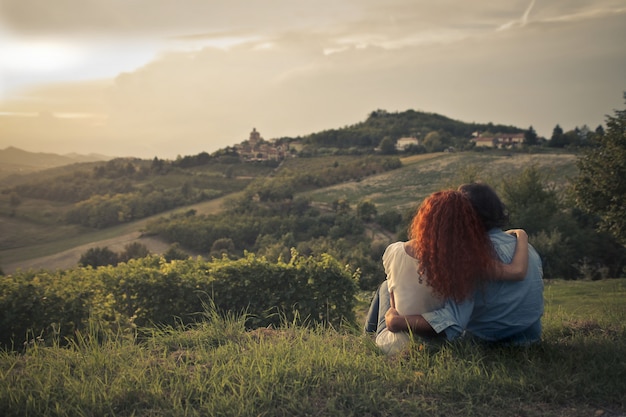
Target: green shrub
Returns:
[[151, 291]]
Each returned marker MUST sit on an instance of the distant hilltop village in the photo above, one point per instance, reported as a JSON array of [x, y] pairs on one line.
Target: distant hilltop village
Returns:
[[258, 149]]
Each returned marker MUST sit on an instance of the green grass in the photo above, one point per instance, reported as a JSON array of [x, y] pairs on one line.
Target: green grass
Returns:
[[573, 300], [217, 368]]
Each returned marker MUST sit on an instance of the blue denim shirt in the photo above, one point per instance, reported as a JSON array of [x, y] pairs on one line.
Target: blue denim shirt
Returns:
[[501, 311]]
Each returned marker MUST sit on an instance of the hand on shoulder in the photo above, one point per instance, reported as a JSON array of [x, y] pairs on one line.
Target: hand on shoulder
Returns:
[[520, 234]]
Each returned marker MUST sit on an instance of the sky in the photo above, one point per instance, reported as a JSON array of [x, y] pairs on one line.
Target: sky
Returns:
[[164, 78]]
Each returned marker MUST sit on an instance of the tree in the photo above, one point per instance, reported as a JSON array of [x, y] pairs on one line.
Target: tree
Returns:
[[222, 246], [134, 250], [433, 142], [530, 203], [366, 210], [530, 136], [557, 140], [600, 187], [98, 256], [390, 219], [341, 206], [175, 252], [387, 146], [599, 130]]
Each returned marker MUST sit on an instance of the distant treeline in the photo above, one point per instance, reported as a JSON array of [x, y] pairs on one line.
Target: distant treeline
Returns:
[[381, 124]]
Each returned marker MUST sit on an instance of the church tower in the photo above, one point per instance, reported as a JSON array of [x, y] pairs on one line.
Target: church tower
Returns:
[[255, 138]]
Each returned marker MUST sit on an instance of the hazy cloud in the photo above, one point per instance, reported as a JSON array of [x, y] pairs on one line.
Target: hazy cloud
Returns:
[[182, 77]]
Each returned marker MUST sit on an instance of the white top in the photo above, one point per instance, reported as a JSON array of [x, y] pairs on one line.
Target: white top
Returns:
[[411, 296]]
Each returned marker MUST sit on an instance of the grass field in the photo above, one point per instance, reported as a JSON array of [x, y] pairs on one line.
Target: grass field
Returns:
[[219, 369]]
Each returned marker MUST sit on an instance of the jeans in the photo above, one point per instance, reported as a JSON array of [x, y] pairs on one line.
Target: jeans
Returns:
[[381, 302]]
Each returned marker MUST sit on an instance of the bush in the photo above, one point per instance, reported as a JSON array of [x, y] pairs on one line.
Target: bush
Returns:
[[149, 291], [98, 256]]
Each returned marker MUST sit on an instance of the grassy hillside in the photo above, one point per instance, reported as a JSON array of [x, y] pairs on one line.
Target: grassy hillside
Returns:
[[16, 162], [218, 368], [423, 174], [36, 231]]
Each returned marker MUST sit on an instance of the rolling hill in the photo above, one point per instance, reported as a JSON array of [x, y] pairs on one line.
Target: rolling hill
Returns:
[[17, 161], [51, 246]]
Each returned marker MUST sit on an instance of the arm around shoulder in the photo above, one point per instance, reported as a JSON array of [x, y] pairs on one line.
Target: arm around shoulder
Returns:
[[415, 324], [517, 269]]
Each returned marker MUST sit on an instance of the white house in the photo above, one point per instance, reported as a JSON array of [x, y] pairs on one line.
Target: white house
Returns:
[[499, 140], [403, 144]]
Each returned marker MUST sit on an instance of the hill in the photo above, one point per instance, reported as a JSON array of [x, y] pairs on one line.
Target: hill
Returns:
[[338, 191], [381, 124], [33, 242], [18, 161]]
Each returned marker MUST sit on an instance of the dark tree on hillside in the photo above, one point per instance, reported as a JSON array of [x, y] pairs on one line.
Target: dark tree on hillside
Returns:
[[601, 184], [366, 210], [558, 139], [390, 219], [530, 203], [98, 256], [134, 250], [175, 252], [599, 130], [387, 146], [530, 136]]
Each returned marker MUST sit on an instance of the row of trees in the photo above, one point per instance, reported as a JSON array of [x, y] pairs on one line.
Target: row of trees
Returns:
[[103, 211]]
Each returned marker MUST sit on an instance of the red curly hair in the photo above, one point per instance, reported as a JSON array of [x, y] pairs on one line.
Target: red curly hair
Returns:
[[449, 240]]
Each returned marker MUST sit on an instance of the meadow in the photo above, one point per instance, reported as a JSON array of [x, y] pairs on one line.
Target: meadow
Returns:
[[217, 368]]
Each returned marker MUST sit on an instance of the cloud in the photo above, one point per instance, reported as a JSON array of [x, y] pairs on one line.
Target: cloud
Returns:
[[521, 22], [292, 68]]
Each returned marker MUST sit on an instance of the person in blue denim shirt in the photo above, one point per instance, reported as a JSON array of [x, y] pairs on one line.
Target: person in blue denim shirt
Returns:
[[498, 311]]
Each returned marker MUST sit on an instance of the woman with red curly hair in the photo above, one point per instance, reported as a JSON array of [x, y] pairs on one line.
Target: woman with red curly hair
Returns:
[[455, 254], [448, 256]]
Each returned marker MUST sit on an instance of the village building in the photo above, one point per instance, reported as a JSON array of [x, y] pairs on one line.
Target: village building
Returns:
[[258, 149], [499, 140], [403, 144]]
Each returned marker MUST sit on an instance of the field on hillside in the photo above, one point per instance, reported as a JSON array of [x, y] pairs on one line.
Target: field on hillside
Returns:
[[421, 175], [63, 246]]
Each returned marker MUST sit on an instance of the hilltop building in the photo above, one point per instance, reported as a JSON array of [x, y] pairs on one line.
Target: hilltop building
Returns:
[[258, 149], [499, 140], [403, 144]]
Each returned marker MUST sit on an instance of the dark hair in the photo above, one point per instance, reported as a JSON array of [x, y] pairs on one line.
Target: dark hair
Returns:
[[487, 204]]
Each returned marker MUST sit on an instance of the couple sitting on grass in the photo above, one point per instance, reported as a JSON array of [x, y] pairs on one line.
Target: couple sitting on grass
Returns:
[[459, 275]]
